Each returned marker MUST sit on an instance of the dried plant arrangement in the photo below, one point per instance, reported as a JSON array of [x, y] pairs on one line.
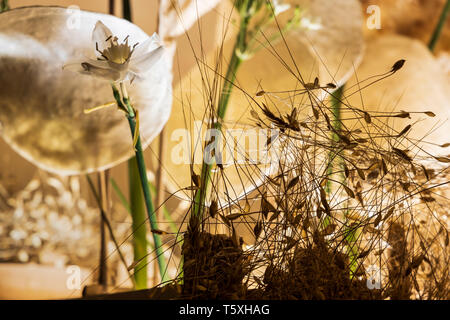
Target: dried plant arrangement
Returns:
[[302, 157]]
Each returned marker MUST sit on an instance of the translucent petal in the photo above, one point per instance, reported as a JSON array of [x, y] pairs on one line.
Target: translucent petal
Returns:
[[180, 16], [96, 68], [147, 46], [142, 65], [102, 36]]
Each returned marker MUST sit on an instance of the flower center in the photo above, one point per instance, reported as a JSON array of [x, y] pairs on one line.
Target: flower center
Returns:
[[119, 53]]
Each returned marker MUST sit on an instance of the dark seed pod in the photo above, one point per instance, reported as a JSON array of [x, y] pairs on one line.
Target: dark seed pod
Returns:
[[257, 229], [363, 254], [346, 170], [405, 130], [367, 118], [403, 115], [196, 180], [402, 154], [213, 209], [398, 65], [443, 159], [349, 191], [292, 183]]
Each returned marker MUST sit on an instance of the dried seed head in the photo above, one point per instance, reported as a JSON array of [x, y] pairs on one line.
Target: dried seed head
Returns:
[[398, 65]]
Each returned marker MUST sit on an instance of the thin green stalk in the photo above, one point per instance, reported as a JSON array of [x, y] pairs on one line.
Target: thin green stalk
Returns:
[[138, 215], [4, 5], [120, 195], [148, 200], [141, 164], [230, 78], [337, 125], [440, 25], [124, 104], [351, 235], [172, 226]]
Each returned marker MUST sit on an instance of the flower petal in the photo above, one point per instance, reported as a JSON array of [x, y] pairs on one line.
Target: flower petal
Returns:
[[178, 17], [96, 68], [143, 64], [152, 43], [100, 34]]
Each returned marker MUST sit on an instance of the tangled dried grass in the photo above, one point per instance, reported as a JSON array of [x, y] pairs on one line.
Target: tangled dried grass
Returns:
[[321, 233]]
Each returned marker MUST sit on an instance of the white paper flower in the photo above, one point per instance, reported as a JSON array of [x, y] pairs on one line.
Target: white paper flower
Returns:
[[307, 23], [280, 7], [118, 61], [42, 106]]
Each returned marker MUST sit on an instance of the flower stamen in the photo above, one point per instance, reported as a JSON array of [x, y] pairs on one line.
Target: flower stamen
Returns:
[[119, 53], [98, 50]]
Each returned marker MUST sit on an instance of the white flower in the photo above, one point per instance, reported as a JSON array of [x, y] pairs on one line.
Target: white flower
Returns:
[[279, 7], [314, 25], [44, 120], [118, 61]]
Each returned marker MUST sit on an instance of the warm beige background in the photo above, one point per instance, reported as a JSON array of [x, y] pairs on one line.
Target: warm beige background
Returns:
[[15, 172]]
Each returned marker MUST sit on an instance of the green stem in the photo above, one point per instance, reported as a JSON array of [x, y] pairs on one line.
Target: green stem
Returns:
[[124, 104], [136, 169], [137, 209], [440, 25], [147, 196], [4, 5], [337, 125], [351, 235], [230, 78], [173, 227]]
